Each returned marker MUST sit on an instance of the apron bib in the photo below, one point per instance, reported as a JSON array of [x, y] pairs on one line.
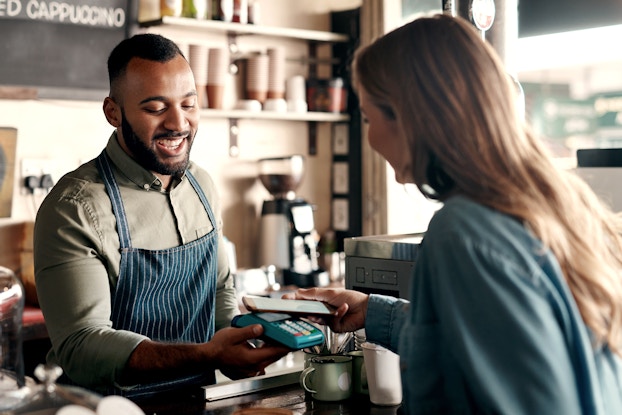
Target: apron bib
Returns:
[[168, 295]]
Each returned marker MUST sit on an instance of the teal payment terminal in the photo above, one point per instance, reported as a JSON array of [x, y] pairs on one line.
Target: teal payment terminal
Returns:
[[283, 328]]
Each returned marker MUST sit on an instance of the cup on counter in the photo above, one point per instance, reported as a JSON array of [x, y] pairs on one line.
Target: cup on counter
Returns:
[[359, 374], [328, 377], [382, 367], [308, 355]]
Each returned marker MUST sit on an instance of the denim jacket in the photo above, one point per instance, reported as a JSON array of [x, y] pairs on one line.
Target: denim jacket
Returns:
[[492, 327]]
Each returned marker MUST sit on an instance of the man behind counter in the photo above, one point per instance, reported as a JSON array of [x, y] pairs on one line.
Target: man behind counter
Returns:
[[130, 267]]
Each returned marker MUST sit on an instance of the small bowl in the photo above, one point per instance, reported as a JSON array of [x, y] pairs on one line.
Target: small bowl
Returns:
[[248, 105], [275, 104]]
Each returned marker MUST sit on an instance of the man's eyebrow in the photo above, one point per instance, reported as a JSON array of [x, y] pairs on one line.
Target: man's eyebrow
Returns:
[[160, 98], [151, 99]]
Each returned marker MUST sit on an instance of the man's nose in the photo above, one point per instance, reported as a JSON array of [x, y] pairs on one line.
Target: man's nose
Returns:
[[176, 119]]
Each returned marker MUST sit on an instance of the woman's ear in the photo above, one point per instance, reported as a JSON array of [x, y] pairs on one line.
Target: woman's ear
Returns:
[[112, 112]]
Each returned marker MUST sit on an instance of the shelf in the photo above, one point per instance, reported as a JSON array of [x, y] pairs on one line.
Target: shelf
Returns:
[[273, 115], [232, 31], [310, 117], [246, 29]]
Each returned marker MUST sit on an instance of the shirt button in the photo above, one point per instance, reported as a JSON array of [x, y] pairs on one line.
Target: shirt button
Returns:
[[146, 186]]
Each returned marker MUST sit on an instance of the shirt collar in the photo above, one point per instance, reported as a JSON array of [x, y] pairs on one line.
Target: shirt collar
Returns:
[[132, 170]]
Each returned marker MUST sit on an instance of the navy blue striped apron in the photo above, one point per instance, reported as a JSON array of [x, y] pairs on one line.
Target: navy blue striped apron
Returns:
[[168, 295]]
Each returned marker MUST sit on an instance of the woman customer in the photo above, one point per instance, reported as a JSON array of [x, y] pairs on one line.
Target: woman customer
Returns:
[[517, 291]]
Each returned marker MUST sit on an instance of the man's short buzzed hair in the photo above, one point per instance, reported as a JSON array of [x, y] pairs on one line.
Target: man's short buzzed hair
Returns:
[[145, 46]]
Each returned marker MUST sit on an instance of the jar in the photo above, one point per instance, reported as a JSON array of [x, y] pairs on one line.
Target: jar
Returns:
[[337, 95], [171, 7]]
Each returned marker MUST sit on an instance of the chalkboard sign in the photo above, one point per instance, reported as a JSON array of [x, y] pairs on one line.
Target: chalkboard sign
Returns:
[[60, 45]]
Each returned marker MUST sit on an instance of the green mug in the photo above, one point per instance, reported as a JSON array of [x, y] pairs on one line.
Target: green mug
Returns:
[[359, 375], [328, 377], [308, 355]]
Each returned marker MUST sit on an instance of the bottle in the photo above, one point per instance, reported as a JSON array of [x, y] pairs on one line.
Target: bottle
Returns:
[[171, 8], [196, 9], [12, 378], [240, 11], [223, 10], [214, 9], [254, 13]]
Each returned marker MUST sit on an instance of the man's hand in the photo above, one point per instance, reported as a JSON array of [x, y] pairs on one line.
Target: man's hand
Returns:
[[237, 358]]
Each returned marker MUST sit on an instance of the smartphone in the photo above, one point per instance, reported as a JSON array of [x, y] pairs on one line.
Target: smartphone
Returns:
[[294, 307], [283, 328]]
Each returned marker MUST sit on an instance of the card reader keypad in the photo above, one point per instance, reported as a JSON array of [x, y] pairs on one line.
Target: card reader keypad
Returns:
[[297, 328]]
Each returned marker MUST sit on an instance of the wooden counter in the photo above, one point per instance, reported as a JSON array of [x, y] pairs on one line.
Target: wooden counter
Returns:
[[291, 397]]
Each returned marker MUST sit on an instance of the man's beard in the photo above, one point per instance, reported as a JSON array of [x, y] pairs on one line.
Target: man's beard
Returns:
[[147, 157]]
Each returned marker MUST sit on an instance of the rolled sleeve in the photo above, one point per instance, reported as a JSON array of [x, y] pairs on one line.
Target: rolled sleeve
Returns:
[[384, 321]]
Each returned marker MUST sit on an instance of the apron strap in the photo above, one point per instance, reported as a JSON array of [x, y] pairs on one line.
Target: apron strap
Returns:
[[105, 170]]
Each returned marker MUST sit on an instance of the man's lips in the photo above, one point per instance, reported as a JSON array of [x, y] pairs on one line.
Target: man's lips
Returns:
[[172, 146]]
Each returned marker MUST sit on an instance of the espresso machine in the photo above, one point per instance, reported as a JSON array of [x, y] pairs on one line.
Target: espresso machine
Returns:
[[287, 235]]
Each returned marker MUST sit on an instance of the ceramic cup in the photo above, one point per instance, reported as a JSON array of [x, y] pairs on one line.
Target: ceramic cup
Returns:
[[359, 374], [328, 377], [383, 374]]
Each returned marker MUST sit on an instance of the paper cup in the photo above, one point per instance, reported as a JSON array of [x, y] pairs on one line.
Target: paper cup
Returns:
[[382, 367], [215, 96], [197, 58], [217, 64], [257, 78], [276, 72], [184, 48], [296, 89]]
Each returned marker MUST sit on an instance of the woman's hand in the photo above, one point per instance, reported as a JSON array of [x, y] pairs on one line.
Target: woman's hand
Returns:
[[351, 306]]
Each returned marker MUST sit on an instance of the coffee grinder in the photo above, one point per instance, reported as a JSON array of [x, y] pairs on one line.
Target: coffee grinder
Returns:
[[287, 235]]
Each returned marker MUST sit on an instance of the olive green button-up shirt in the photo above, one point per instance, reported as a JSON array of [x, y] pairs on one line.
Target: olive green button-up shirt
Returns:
[[76, 253]]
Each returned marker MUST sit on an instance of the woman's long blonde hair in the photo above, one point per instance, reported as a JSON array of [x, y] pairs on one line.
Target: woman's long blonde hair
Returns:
[[455, 103]]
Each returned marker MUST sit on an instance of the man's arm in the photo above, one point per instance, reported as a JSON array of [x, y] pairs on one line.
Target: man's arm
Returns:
[[228, 350]]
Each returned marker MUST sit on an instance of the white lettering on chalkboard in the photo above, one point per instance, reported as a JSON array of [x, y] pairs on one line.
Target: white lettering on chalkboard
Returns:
[[10, 8], [63, 12]]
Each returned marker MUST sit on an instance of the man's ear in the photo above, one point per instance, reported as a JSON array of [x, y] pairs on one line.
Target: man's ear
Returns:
[[112, 112]]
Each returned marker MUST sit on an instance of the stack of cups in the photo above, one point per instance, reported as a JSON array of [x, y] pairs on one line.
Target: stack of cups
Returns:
[[257, 78], [276, 81], [197, 57], [296, 94], [276, 73], [184, 49], [217, 64]]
